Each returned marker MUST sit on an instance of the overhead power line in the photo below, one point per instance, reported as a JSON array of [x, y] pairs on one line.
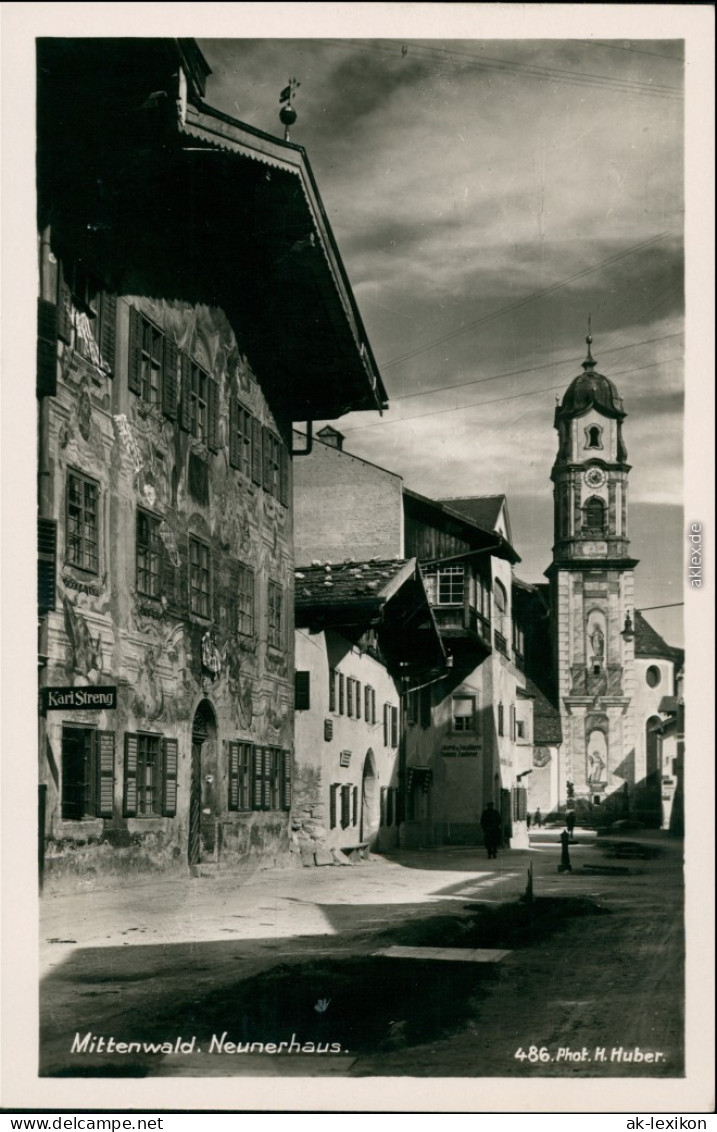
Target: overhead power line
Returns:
[[493, 401], [529, 70], [458, 332], [530, 369]]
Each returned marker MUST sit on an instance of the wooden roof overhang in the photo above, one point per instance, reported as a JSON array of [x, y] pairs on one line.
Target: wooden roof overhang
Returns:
[[181, 202]]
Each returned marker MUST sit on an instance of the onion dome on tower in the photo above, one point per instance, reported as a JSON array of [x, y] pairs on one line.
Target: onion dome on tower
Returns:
[[589, 393]]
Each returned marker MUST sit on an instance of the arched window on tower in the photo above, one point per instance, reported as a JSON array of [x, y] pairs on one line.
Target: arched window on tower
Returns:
[[593, 437], [594, 516]]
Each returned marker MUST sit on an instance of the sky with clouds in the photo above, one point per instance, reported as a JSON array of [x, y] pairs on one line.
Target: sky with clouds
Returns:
[[486, 197]]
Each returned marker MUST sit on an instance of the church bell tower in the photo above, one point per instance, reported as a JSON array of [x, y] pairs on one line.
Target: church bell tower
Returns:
[[592, 580]]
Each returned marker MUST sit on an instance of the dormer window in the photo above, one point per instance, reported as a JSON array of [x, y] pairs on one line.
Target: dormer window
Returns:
[[593, 437]]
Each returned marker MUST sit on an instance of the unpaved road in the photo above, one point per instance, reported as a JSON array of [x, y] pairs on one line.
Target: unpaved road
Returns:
[[288, 953]]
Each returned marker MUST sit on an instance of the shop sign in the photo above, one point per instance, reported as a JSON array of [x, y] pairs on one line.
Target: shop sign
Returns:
[[99, 698]]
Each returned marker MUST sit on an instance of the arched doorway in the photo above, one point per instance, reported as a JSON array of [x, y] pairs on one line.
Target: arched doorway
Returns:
[[203, 789], [369, 799]]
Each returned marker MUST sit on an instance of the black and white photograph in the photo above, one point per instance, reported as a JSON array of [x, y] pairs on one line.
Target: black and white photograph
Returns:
[[364, 731]]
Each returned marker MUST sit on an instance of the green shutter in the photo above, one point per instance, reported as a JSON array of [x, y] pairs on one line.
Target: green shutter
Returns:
[[129, 805], [170, 770], [234, 445], [105, 770], [286, 761], [134, 365], [108, 329], [46, 349], [212, 413], [394, 727], [170, 379], [354, 806]]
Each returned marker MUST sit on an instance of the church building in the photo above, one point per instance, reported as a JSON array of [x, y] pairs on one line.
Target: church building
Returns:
[[603, 760]]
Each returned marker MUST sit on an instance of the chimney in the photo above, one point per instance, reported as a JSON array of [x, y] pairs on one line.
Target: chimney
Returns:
[[332, 437]]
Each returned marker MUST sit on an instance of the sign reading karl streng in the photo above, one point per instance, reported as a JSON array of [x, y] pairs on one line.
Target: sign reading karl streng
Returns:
[[99, 698]]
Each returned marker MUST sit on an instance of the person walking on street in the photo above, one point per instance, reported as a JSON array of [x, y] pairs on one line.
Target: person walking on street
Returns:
[[490, 824], [570, 823], [538, 818]]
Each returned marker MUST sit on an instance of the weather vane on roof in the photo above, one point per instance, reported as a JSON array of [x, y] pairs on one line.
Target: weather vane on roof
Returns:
[[287, 114]]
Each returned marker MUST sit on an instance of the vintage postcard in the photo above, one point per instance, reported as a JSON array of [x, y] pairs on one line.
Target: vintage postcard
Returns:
[[357, 558]]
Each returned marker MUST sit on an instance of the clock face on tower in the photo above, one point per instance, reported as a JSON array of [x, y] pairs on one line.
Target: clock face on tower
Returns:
[[595, 477]]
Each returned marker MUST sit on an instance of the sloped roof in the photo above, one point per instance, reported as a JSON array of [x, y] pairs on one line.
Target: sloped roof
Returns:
[[648, 642], [547, 728], [347, 584], [483, 510]]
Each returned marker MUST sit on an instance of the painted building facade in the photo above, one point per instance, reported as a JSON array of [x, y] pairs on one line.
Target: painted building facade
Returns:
[[166, 395]]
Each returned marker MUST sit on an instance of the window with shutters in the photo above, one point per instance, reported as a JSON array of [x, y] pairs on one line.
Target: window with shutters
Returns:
[[150, 370], [394, 726], [241, 438], [349, 696], [199, 578], [239, 775], [88, 773], [357, 698], [302, 685], [354, 805], [386, 725], [275, 616], [245, 600], [276, 467], [272, 779], [86, 315], [150, 554], [152, 364], [501, 724], [198, 392], [82, 535], [342, 692], [148, 774], [151, 768]]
